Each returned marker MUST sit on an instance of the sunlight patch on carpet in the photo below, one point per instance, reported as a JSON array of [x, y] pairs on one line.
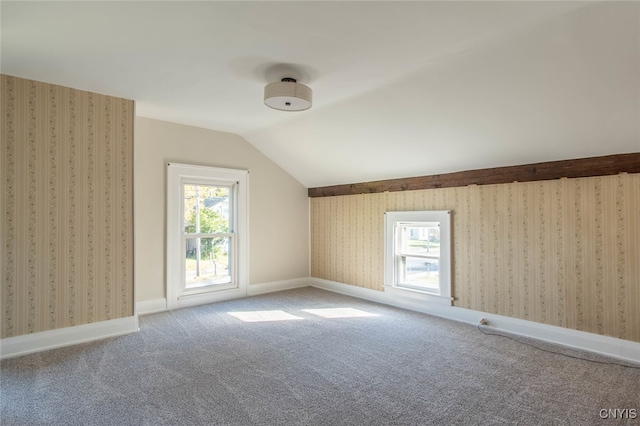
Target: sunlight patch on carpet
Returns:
[[339, 313], [264, 316]]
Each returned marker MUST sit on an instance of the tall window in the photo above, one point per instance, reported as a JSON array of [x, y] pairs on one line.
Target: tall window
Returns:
[[418, 252], [206, 234]]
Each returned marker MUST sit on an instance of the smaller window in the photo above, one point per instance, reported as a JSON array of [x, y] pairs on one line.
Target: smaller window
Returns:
[[418, 252]]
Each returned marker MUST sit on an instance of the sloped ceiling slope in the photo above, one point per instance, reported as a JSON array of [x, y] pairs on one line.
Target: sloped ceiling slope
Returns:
[[400, 88]]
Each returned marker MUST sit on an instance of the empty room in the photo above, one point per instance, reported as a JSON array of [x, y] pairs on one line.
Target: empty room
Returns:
[[320, 212]]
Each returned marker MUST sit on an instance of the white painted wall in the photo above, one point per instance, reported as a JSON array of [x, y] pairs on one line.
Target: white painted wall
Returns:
[[567, 88], [278, 204]]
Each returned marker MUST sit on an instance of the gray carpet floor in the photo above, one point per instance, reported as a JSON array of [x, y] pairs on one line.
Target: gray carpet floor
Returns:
[[328, 360]]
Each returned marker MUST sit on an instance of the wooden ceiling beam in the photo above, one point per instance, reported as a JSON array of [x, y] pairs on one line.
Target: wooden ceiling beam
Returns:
[[582, 167]]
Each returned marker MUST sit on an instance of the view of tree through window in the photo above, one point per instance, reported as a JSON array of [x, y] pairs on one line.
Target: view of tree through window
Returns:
[[208, 237]]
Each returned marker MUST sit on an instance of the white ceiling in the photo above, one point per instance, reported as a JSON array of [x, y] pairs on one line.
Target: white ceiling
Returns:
[[400, 88]]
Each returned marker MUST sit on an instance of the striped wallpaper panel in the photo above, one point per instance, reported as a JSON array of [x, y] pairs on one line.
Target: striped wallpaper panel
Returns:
[[562, 252], [67, 207]]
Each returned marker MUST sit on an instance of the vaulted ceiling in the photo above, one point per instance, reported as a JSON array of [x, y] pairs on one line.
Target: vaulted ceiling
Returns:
[[400, 88]]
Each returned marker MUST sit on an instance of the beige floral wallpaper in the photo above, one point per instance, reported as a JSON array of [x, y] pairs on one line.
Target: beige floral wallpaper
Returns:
[[563, 252], [67, 207]]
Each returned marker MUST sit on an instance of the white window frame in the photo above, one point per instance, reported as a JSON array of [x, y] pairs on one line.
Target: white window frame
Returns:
[[394, 220], [178, 296]]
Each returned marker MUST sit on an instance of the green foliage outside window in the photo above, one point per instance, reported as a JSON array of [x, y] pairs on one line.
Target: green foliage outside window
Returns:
[[211, 222]]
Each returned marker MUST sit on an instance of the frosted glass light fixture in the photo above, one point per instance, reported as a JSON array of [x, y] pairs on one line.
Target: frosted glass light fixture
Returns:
[[287, 95]]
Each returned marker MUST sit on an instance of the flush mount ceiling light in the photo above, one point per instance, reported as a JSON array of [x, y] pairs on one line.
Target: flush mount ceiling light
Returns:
[[287, 95]]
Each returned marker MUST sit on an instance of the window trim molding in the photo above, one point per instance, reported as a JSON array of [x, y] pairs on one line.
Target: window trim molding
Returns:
[[177, 174], [391, 218]]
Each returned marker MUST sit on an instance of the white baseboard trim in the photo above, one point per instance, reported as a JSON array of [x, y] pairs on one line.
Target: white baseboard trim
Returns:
[[270, 287], [151, 306], [604, 345], [45, 340]]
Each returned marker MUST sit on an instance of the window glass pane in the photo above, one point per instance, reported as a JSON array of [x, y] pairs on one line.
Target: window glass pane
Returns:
[[214, 209], [421, 272], [206, 209], [207, 261], [190, 200], [422, 240]]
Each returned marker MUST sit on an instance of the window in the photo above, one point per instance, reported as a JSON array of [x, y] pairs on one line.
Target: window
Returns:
[[206, 234], [418, 253]]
